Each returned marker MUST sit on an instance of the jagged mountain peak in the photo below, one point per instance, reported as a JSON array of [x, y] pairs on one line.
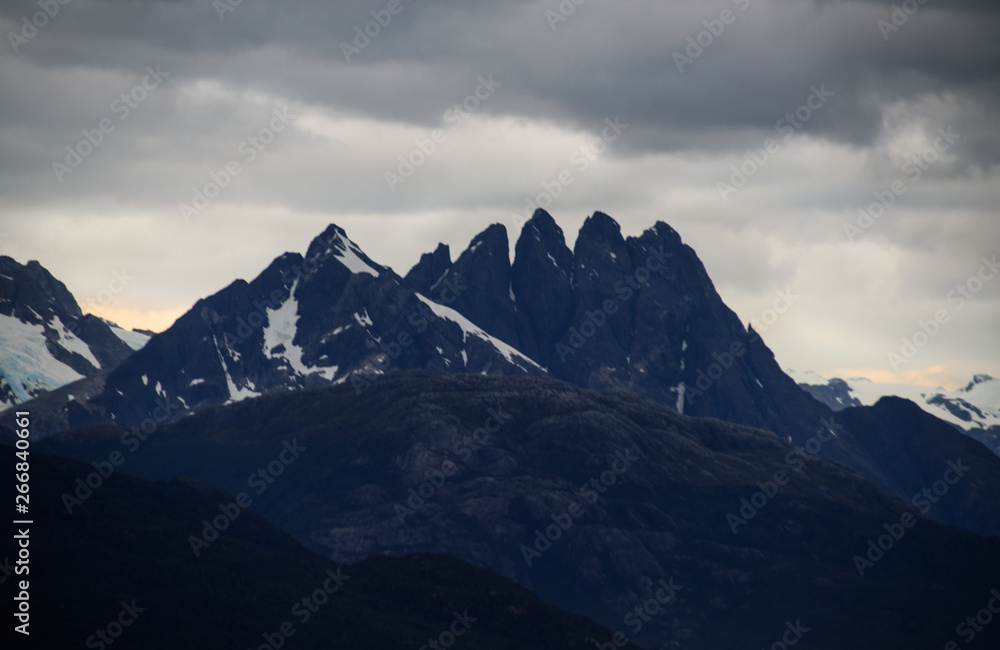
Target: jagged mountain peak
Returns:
[[541, 235], [281, 272], [978, 379], [430, 270], [543, 226], [601, 225], [480, 284], [493, 238], [54, 287], [638, 314], [334, 242], [46, 340], [599, 249], [663, 232], [331, 316]]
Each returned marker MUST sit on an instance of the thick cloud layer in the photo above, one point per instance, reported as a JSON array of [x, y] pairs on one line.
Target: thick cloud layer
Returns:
[[756, 128]]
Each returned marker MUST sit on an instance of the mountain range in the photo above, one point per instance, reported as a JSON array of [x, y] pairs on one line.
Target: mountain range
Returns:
[[973, 409], [586, 423], [638, 313]]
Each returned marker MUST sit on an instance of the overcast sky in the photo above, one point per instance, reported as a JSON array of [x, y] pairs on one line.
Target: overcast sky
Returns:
[[821, 104]]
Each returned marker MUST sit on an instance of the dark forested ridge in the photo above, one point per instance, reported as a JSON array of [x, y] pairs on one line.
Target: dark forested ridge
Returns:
[[637, 494]]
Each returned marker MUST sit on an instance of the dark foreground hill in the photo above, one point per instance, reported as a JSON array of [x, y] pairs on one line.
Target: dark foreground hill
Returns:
[[593, 499], [122, 567]]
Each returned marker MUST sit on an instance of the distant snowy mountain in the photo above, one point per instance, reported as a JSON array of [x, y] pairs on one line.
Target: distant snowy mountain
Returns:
[[974, 409], [46, 341]]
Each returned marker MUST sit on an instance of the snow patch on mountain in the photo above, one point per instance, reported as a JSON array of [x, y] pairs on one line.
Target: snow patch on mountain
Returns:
[[282, 325], [236, 393], [470, 328], [349, 254], [976, 406], [27, 367], [679, 389], [69, 342], [131, 338]]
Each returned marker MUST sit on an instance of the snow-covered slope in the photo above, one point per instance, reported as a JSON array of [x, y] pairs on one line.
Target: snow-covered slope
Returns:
[[131, 338], [27, 367], [45, 340], [976, 406]]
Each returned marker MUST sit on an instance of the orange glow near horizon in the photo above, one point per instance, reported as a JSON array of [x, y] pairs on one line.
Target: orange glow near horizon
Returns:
[[154, 320], [931, 376]]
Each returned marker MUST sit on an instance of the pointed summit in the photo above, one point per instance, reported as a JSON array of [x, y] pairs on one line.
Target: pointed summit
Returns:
[[334, 242], [481, 284], [601, 226], [541, 281], [429, 270]]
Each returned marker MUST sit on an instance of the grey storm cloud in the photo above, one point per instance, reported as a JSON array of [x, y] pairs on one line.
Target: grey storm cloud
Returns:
[[699, 84], [605, 59]]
